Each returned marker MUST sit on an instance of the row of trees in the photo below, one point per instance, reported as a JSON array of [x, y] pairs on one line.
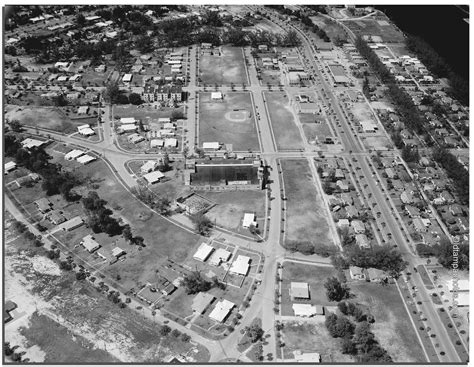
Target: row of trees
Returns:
[[438, 66], [99, 217], [455, 171], [412, 117], [356, 340], [446, 254]]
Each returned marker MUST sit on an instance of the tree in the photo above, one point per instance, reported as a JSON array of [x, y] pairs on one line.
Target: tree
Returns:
[[15, 126], [339, 326], [255, 332], [165, 330], [202, 224], [348, 347], [335, 291], [80, 20], [363, 337], [446, 253], [112, 93], [195, 283], [162, 204], [127, 233], [135, 99]]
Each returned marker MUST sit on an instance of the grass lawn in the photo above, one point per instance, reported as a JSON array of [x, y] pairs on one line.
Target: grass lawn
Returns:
[[306, 219], [60, 345], [231, 206], [282, 118], [315, 276], [312, 337], [392, 328], [43, 117], [314, 131], [225, 69], [371, 27], [272, 77], [216, 122]]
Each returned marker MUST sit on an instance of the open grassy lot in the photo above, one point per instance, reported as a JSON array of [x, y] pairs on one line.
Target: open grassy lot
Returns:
[[315, 128], [225, 69], [50, 118], [306, 219], [312, 337], [231, 206], [315, 276], [283, 122], [372, 27], [392, 328], [60, 345], [219, 121], [332, 29]]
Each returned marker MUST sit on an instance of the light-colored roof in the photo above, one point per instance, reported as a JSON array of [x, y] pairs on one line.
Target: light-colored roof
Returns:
[[154, 176], [30, 143], [216, 95], [73, 154], [85, 159], [203, 252], [201, 301], [299, 289], [128, 127], [368, 125], [249, 218], [218, 256], [308, 357], [157, 143], [241, 265], [211, 145], [117, 251], [89, 243], [171, 142], [222, 309], [127, 120], [10, 165], [164, 120], [127, 77], [72, 223], [303, 309], [461, 285], [149, 166]]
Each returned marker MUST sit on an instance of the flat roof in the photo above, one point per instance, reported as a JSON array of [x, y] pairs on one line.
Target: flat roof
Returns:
[[304, 309], [241, 265], [222, 309], [203, 252], [85, 159], [201, 301], [218, 256], [249, 218], [127, 120], [153, 176], [299, 289]]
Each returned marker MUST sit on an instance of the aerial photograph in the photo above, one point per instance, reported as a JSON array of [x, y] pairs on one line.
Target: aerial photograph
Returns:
[[221, 183]]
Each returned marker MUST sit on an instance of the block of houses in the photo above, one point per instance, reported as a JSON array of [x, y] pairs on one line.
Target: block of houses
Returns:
[[299, 290], [357, 273]]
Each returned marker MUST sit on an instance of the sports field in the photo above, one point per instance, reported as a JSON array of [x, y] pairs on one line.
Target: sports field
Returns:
[[225, 69], [282, 117], [306, 219], [228, 121]]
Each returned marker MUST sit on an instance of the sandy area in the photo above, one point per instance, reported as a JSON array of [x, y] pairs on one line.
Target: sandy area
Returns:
[[46, 266]]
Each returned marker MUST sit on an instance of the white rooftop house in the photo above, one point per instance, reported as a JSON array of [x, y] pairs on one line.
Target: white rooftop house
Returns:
[[299, 290], [82, 110], [368, 126], [154, 143], [249, 219], [164, 120], [30, 143], [203, 252], [217, 95], [73, 154], [9, 166], [127, 120], [307, 357], [148, 167], [89, 243], [169, 126], [214, 145], [85, 159], [128, 127], [171, 142], [153, 177], [85, 130], [117, 252], [222, 310], [306, 310], [241, 265], [127, 78], [220, 255]]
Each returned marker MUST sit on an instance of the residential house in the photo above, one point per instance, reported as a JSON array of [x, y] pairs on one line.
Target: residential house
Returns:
[[376, 275], [299, 290], [43, 205], [456, 210], [412, 211], [448, 198], [358, 226], [362, 240], [357, 273]]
